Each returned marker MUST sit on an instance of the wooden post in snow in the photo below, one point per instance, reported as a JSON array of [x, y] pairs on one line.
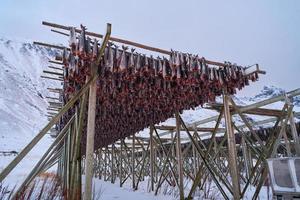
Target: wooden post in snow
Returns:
[[295, 134], [133, 161], [89, 161], [151, 158], [179, 157], [231, 149]]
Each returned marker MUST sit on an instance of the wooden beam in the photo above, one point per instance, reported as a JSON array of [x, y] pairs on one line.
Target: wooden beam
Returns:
[[56, 68], [56, 79], [53, 73], [50, 45], [89, 162], [179, 157], [54, 98], [232, 154], [133, 162], [295, 134], [55, 62], [151, 158], [131, 43], [198, 129], [252, 106], [254, 111]]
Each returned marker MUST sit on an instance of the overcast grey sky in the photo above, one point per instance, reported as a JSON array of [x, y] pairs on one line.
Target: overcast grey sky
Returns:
[[246, 32]]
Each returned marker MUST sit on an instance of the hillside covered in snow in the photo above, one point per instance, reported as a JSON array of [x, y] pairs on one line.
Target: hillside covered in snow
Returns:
[[22, 91]]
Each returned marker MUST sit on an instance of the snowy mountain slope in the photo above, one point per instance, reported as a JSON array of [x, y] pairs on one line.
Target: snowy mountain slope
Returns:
[[22, 92]]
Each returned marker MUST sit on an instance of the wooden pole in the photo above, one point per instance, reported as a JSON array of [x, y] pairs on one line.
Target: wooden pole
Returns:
[[231, 149], [89, 161], [112, 163], [120, 163], [142, 46], [295, 134], [133, 161], [179, 157], [151, 158]]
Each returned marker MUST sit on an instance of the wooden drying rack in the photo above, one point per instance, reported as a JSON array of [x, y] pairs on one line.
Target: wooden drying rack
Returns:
[[128, 42]]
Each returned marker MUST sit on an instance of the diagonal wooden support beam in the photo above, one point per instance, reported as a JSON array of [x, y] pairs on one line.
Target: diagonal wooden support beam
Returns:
[[201, 153], [263, 156], [246, 122], [200, 170], [167, 162], [271, 152], [295, 134]]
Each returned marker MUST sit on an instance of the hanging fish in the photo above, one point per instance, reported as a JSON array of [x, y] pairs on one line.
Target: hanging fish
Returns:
[[195, 68], [174, 62], [204, 69], [137, 62], [82, 41], [177, 59], [233, 72], [211, 74], [72, 64], [146, 63], [65, 56], [154, 65], [216, 77], [221, 77], [178, 72], [76, 65], [183, 66], [228, 69], [72, 39], [164, 68], [159, 66], [117, 54], [88, 46], [201, 68], [171, 58], [188, 62], [66, 76], [243, 71], [95, 49], [256, 76], [131, 59], [110, 58], [198, 65], [122, 62]]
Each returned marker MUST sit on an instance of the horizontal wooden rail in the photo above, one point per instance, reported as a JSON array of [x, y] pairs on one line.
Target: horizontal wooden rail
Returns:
[[123, 41]]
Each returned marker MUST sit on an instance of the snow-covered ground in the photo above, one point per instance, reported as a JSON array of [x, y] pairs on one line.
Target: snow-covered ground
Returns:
[[22, 103], [23, 111]]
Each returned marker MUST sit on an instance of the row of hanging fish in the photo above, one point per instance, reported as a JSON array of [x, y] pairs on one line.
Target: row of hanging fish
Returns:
[[179, 65], [134, 90]]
